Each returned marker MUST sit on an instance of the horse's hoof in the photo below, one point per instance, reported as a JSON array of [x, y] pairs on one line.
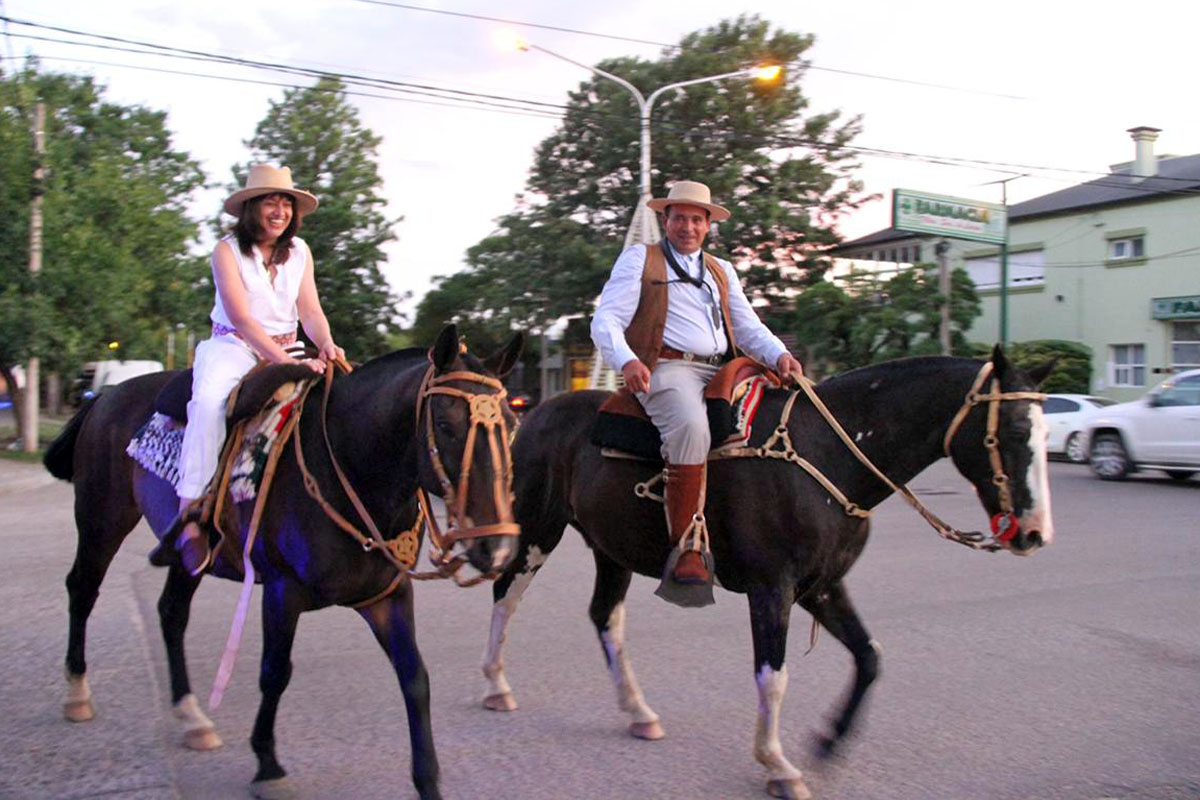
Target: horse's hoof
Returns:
[[650, 731], [202, 739], [789, 789], [274, 789], [500, 702], [79, 710]]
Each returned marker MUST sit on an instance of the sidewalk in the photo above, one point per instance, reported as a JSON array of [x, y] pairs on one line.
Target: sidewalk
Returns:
[[20, 476]]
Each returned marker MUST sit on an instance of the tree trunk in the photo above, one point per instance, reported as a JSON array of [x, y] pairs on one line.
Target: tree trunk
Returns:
[[54, 395]]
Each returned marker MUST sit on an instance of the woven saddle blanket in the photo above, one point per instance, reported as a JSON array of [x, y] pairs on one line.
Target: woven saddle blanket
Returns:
[[157, 444]]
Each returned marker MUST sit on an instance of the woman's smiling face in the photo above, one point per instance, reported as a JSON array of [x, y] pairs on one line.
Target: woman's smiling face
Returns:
[[275, 214]]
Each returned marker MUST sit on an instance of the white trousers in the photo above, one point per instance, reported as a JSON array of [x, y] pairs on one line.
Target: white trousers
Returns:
[[675, 404], [220, 363]]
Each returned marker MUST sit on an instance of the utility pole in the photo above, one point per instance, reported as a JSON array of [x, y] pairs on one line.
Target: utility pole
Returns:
[[1004, 256], [942, 249], [32, 379]]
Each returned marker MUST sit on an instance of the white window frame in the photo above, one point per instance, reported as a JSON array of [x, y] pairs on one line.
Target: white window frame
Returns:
[[1127, 248], [1127, 365], [1025, 268], [1180, 335]]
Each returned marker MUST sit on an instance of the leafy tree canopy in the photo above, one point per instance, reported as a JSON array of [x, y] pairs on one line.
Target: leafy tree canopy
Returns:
[[782, 171], [116, 263], [868, 319], [317, 133]]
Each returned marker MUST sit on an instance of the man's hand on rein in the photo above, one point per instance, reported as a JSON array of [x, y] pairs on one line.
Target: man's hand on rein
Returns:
[[636, 375], [789, 369]]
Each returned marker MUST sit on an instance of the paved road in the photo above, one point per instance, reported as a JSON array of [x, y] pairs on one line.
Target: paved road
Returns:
[[1074, 674]]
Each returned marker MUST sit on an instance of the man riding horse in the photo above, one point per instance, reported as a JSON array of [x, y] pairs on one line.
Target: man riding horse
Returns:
[[668, 334]]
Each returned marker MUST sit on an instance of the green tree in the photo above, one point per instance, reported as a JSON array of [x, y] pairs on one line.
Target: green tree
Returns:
[[784, 173], [1072, 371], [871, 319], [317, 133], [116, 262]]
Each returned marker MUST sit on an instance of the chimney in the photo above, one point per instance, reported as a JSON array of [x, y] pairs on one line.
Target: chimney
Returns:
[[1145, 165]]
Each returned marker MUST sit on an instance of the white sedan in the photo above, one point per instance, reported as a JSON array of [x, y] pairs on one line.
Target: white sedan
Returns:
[[1066, 416]]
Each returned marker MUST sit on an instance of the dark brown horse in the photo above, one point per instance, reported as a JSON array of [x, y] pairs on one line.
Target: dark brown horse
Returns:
[[776, 534], [379, 418]]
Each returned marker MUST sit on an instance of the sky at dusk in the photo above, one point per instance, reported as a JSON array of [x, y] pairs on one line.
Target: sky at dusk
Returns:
[[1044, 88]]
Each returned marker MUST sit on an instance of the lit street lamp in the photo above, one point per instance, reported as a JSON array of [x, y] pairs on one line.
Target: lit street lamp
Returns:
[[643, 229]]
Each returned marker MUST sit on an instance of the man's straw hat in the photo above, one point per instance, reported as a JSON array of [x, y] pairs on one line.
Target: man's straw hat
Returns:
[[693, 194], [265, 179]]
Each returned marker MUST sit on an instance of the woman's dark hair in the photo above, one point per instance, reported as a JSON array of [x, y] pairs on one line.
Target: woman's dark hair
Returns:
[[248, 231]]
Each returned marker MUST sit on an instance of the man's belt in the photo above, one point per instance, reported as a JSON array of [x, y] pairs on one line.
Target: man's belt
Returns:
[[670, 353]]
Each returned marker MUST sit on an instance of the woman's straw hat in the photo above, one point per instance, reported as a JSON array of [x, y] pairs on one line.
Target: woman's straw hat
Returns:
[[693, 194], [265, 179]]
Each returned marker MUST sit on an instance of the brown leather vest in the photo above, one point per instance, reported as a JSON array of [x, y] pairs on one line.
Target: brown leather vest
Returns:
[[645, 332]]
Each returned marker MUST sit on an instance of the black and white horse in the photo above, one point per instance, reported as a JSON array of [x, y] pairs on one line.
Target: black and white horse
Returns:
[[775, 535]]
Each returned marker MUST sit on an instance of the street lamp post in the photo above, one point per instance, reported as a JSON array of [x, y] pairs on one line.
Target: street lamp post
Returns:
[[643, 228]]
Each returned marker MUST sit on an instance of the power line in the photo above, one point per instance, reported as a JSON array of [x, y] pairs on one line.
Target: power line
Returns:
[[669, 46], [518, 22], [511, 104]]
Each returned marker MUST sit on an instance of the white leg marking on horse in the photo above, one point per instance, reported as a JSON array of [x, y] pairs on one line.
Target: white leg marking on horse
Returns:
[[629, 693], [1038, 517], [78, 705], [199, 733], [499, 694], [768, 751]]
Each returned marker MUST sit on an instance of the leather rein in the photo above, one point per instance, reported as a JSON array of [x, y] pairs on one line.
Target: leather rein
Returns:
[[486, 412], [1004, 524]]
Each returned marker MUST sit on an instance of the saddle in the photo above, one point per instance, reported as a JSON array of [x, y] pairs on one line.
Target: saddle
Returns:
[[731, 398], [252, 394], [264, 387]]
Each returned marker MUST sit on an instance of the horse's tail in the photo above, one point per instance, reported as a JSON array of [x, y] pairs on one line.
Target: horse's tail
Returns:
[[60, 455]]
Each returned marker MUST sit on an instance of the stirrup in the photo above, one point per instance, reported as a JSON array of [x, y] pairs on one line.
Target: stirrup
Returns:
[[164, 553]]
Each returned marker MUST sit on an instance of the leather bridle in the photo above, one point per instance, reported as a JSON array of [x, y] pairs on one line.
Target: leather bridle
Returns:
[[1004, 523], [486, 414]]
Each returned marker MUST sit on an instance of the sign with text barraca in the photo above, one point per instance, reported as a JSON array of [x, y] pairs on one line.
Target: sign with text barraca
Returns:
[[956, 217]]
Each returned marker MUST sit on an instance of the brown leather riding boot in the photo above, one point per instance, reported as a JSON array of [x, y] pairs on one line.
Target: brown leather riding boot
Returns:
[[685, 485]]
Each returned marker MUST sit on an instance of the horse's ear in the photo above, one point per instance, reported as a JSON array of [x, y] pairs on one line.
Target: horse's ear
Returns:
[[445, 349], [503, 360], [1039, 373], [999, 361]]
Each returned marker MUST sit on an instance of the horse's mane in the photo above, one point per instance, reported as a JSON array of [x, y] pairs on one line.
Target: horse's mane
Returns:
[[912, 366]]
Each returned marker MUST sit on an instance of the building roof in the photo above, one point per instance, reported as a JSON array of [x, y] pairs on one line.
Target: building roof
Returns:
[[1176, 175]]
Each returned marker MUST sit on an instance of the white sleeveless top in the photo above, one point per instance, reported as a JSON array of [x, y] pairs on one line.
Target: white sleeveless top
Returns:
[[272, 306]]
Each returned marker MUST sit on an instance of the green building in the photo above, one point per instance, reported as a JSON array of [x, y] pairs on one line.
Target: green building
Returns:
[[1113, 263]]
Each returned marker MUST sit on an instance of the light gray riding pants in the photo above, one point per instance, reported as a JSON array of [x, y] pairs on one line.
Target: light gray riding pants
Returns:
[[675, 404]]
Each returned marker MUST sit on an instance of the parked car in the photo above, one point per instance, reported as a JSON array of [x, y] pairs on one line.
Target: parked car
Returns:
[[95, 375], [1066, 415], [1159, 431]]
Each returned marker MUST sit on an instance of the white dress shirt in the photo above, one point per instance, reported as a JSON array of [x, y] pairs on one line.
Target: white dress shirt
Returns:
[[689, 326]]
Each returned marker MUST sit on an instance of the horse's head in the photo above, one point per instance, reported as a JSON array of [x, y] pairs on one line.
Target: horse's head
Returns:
[[465, 424], [998, 442]]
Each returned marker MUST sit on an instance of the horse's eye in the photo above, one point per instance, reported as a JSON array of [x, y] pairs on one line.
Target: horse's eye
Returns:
[[444, 427]]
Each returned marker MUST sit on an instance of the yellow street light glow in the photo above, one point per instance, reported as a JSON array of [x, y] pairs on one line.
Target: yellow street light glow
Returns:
[[767, 72], [509, 40], [113, 345]]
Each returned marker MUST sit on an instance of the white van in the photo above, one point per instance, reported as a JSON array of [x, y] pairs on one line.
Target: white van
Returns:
[[95, 375]]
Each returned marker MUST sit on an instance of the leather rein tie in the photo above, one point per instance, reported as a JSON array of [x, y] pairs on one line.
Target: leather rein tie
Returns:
[[486, 414], [1004, 524]]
